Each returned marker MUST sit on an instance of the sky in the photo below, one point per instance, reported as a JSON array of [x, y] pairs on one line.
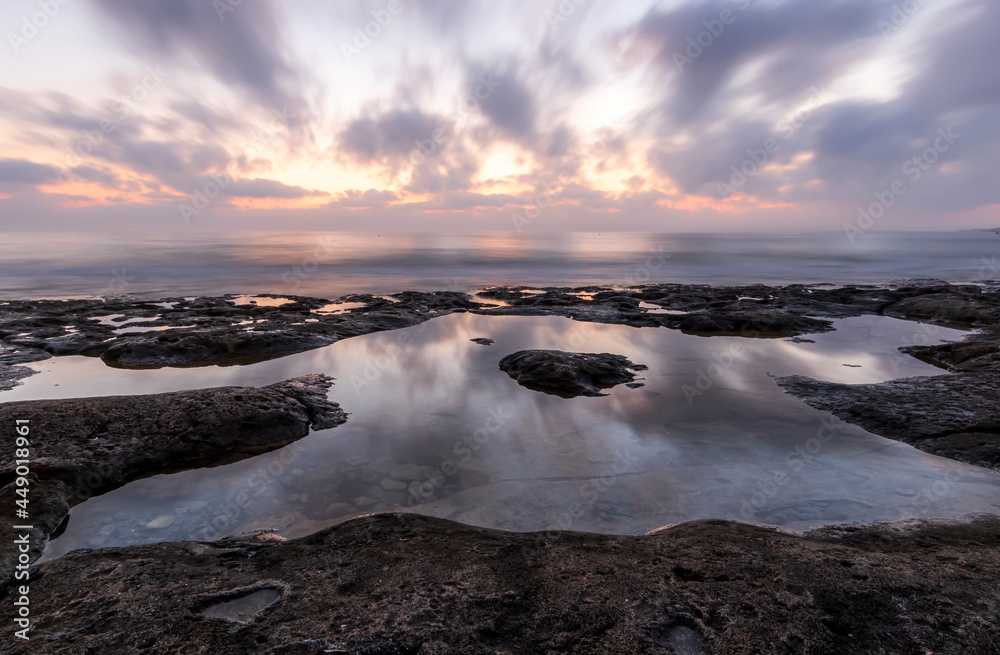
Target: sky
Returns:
[[459, 116]]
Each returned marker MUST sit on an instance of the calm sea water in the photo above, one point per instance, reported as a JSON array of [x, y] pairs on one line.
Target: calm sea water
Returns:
[[59, 265]]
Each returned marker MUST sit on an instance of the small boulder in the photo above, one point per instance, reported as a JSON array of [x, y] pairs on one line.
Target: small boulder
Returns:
[[407, 473], [569, 374]]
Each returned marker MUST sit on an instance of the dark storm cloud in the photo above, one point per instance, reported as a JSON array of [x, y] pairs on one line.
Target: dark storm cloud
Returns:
[[389, 138], [22, 171], [263, 188], [559, 142], [858, 146], [505, 100], [803, 42], [242, 48], [957, 86], [74, 130]]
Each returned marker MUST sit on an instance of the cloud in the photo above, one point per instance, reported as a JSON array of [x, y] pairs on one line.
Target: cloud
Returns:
[[390, 138], [773, 58], [864, 145], [263, 188], [357, 199], [453, 93], [242, 45], [22, 171], [701, 46], [505, 100]]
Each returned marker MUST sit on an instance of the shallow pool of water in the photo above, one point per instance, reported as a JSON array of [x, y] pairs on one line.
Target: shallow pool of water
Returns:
[[437, 428]]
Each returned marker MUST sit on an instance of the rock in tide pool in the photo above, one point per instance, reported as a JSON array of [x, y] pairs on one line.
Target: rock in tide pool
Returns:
[[161, 522], [407, 473], [569, 374]]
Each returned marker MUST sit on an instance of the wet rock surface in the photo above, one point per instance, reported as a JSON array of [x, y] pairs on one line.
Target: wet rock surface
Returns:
[[954, 416], [569, 374], [88, 446], [209, 331], [232, 330], [393, 583], [11, 373]]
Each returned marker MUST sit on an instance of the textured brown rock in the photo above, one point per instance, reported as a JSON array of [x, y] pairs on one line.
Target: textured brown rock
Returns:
[[953, 416], [569, 374], [87, 446], [409, 584], [217, 331]]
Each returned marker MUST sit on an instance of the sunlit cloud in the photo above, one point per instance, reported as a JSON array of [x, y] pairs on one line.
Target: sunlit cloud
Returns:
[[637, 116]]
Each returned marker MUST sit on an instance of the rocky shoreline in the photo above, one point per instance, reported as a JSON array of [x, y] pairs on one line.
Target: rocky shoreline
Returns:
[[222, 331], [402, 583], [234, 330], [391, 583], [89, 446]]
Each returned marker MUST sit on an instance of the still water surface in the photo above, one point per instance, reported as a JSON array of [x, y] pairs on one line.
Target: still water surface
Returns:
[[709, 435]]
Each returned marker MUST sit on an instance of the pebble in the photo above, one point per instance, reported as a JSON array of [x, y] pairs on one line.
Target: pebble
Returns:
[[392, 485], [340, 509], [408, 473], [161, 522]]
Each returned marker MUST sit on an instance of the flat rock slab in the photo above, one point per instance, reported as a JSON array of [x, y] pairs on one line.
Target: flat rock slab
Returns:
[[956, 416], [86, 446], [217, 331], [241, 606], [11, 373], [569, 374], [394, 583]]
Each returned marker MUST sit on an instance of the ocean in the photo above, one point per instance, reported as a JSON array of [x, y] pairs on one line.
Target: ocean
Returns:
[[332, 264]]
